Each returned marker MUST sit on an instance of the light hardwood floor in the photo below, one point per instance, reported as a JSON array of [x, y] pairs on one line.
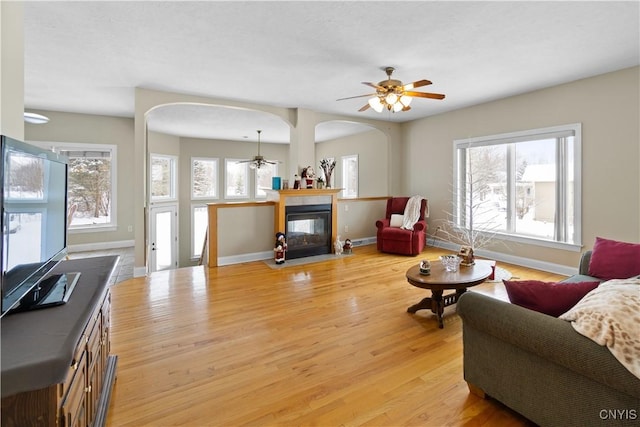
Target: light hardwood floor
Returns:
[[325, 344]]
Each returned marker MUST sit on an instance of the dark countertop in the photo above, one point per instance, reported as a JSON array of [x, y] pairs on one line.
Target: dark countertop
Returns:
[[37, 346]]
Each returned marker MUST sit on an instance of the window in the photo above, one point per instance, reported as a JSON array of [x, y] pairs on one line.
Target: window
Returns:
[[163, 177], [91, 195], [524, 185], [350, 177], [200, 222], [204, 178], [236, 179], [263, 178]]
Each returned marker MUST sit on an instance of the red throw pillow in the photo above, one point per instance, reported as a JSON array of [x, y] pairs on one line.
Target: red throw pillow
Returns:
[[549, 298], [611, 259]]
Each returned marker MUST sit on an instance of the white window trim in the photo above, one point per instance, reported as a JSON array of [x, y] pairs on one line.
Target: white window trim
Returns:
[[255, 182], [174, 179], [248, 190], [88, 146], [194, 206], [216, 196], [345, 178], [520, 136]]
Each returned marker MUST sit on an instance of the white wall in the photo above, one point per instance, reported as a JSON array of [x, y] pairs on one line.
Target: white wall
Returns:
[[371, 148], [91, 129], [11, 69]]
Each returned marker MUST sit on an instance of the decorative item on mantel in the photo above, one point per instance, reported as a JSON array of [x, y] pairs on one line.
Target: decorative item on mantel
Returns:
[[319, 183], [327, 166], [308, 176]]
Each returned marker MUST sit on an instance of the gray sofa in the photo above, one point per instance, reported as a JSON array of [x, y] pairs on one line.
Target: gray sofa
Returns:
[[541, 367]]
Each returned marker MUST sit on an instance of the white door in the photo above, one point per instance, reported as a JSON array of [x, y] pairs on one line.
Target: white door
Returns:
[[163, 254]]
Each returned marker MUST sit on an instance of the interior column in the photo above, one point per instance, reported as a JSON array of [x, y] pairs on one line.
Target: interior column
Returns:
[[302, 137]]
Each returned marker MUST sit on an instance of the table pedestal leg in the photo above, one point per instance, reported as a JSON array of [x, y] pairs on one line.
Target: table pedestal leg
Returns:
[[437, 306], [423, 304], [437, 302]]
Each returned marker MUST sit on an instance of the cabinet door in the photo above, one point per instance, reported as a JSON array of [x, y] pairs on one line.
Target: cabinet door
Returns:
[[74, 406], [94, 369], [63, 388]]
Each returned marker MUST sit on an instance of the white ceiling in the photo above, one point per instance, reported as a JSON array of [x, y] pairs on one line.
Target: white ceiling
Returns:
[[88, 56]]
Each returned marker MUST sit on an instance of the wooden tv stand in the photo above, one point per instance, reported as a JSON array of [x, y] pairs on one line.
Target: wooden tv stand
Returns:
[[56, 363]]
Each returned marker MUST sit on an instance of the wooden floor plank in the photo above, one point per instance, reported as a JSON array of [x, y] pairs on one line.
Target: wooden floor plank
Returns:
[[324, 344]]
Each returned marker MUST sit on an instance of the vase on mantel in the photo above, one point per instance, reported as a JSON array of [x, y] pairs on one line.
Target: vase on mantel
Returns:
[[327, 166]]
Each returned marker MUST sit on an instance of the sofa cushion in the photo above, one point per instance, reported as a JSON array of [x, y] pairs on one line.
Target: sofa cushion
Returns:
[[552, 298], [396, 220], [612, 259]]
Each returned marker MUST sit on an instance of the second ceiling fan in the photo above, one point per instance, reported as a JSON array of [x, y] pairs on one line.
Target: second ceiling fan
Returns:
[[393, 95]]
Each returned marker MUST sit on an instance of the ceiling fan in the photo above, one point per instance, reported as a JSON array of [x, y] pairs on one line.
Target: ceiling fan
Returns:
[[393, 95], [258, 161]]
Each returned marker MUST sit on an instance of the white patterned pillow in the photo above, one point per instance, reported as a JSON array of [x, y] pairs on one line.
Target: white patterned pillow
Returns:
[[610, 315]]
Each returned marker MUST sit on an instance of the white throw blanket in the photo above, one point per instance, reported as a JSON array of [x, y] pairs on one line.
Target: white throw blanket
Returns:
[[411, 212], [610, 315]]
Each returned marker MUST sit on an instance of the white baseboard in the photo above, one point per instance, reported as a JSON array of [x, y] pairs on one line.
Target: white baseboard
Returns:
[[512, 259], [237, 259], [139, 271], [100, 246], [363, 241]]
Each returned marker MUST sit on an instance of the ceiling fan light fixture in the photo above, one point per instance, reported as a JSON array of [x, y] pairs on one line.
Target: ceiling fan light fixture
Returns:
[[392, 95], [376, 104], [257, 160], [391, 98]]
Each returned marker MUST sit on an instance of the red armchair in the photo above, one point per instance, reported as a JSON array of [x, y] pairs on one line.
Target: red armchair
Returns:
[[391, 238]]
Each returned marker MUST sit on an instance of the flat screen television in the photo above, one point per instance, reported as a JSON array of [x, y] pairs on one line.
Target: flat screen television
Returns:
[[34, 227]]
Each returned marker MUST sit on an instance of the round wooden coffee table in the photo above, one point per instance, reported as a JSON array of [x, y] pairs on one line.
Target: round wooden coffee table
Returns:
[[440, 280]]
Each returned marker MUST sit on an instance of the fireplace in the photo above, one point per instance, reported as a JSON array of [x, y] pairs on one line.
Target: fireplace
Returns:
[[308, 230]]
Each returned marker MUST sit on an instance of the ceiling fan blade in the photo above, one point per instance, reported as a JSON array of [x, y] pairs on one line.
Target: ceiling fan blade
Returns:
[[416, 84], [364, 108], [375, 86], [357, 96], [425, 95]]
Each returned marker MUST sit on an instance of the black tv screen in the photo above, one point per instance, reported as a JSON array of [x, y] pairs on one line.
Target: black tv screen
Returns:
[[34, 217]]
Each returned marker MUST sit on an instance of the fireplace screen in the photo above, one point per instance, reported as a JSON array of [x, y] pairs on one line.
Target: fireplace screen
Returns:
[[308, 230]]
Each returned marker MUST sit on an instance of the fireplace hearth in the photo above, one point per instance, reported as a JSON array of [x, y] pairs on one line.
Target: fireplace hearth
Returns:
[[308, 230]]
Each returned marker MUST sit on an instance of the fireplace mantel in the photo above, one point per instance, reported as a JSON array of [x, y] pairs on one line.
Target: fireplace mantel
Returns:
[[302, 197]]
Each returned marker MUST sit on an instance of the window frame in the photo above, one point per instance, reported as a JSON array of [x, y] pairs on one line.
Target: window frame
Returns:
[[195, 206], [246, 195], [274, 167], [112, 225], [346, 178], [216, 189], [561, 185], [173, 178]]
